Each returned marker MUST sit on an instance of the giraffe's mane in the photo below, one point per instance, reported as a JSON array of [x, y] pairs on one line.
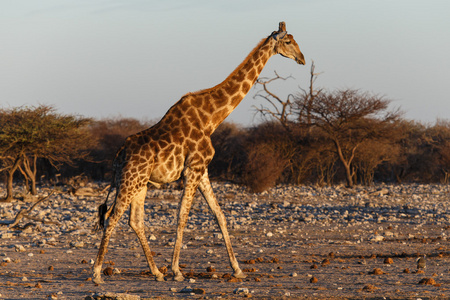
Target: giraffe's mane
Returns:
[[259, 45]]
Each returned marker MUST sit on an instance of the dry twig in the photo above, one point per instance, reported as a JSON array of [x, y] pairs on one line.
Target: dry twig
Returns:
[[24, 213]]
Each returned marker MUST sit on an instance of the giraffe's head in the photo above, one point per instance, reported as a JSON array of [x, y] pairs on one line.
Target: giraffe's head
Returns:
[[286, 45]]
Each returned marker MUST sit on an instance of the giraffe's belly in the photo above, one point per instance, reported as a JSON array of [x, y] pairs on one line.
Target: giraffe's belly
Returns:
[[168, 172]]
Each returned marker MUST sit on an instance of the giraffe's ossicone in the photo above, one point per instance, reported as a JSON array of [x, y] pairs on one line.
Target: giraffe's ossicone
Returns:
[[180, 145]]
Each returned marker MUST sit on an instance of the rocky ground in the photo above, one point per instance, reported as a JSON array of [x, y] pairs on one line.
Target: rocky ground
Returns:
[[292, 242]]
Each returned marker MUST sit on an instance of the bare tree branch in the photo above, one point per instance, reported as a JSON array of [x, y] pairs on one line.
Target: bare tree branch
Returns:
[[279, 109]]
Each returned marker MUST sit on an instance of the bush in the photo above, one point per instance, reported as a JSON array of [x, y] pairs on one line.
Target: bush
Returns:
[[268, 153], [424, 151], [109, 134], [228, 141], [263, 168]]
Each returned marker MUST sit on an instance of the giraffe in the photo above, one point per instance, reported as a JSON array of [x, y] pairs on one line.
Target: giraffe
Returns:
[[180, 145]]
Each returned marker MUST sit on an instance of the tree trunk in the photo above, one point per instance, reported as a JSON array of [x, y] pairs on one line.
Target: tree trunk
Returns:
[[31, 173], [26, 185], [33, 179], [348, 174], [10, 178], [346, 163]]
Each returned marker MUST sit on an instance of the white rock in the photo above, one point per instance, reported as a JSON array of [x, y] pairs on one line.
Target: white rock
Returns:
[[243, 291], [19, 248], [86, 191], [376, 238], [79, 244], [380, 192], [28, 230], [110, 295], [7, 235], [187, 289]]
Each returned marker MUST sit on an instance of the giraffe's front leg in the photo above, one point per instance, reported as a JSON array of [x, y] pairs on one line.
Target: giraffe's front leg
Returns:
[[207, 192], [183, 215]]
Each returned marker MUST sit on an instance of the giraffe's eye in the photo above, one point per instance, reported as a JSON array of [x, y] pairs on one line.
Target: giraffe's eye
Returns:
[[288, 42]]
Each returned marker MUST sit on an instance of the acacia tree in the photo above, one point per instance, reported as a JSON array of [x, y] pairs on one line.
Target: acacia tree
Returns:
[[29, 133], [347, 118]]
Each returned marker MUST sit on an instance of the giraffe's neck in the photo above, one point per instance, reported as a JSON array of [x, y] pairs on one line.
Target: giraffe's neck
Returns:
[[206, 109], [224, 97]]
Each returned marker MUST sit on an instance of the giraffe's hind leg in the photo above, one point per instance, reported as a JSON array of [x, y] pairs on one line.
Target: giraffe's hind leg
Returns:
[[120, 206], [137, 223], [207, 192]]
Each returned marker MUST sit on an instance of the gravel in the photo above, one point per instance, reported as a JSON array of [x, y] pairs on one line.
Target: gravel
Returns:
[[283, 231]]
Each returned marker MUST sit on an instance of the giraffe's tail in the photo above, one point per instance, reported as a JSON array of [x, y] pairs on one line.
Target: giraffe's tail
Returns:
[[103, 212]]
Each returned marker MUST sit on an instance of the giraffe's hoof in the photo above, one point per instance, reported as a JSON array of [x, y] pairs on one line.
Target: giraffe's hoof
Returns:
[[97, 280], [160, 277], [239, 274], [178, 277]]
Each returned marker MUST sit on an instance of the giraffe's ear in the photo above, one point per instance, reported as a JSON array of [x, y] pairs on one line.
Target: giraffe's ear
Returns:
[[279, 35]]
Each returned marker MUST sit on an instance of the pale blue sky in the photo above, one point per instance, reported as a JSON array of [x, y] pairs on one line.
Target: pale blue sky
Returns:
[[136, 58]]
